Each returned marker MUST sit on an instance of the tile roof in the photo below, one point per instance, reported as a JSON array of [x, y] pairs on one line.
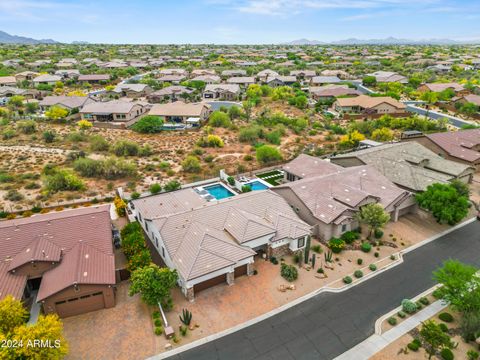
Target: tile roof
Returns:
[[306, 166], [462, 144], [368, 102], [61, 237], [178, 108]]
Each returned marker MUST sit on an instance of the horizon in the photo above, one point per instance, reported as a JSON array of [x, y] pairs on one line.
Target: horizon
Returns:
[[240, 22]]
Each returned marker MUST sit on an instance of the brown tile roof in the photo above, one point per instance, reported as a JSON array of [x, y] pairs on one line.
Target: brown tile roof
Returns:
[[74, 233], [368, 102], [459, 144], [305, 166]]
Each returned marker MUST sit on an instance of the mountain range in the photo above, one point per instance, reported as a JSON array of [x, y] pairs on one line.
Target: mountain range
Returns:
[[6, 38], [386, 41]]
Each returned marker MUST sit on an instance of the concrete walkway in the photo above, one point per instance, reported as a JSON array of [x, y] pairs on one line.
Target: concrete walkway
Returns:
[[377, 342]]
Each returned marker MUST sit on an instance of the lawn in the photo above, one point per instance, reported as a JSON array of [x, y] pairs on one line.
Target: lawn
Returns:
[[271, 177]]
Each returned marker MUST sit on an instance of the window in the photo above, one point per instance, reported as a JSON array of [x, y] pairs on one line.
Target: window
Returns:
[[156, 241], [301, 243], [344, 228], [146, 226], [163, 252]]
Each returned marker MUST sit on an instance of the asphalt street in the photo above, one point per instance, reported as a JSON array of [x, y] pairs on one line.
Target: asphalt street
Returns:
[[328, 324]]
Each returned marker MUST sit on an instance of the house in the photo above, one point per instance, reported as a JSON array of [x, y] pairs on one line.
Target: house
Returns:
[[26, 76], [264, 74], [321, 80], [329, 197], [439, 87], [306, 166], [8, 81], [244, 81], [172, 93], [178, 72], [212, 243], [9, 91], [202, 72], [470, 98], [133, 91], [67, 102], [409, 165], [440, 68], [179, 112], [364, 104], [68, 73], [207, 79], [117, 112], [232, 73], [221, 91], [278, 80], [330, 92], [94, 78], [46, 79], [462, 146], [173, 79], [388, 76], [63, 260], [303, 75]]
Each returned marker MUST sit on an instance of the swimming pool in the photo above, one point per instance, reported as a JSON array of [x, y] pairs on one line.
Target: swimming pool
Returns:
[[218, 191], [257, 185]]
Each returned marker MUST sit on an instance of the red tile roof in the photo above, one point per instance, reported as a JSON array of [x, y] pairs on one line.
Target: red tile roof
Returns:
[[460, 144], [68, 237]]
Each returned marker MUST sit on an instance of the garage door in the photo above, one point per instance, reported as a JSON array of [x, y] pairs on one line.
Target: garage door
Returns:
[[80, 305], [241, 270], [209, 283]]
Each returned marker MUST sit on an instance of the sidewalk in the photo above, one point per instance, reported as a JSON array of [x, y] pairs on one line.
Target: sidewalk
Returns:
[[375, 343]]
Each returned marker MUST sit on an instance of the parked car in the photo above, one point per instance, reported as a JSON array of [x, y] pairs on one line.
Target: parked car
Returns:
[[116, 237]]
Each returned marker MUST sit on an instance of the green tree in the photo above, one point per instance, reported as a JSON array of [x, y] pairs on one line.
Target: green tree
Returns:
[[429, 97], [374, 216], [433, 335], [445, 203], [267, 154], [469, 109], [219, 119], [382, 134], [153, 284], [369, 80], [149, 124], [56, 113]]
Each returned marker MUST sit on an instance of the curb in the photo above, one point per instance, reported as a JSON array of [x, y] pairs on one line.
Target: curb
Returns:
[[325, 289]]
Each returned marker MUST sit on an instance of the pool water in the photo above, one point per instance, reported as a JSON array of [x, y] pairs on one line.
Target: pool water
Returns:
[[257, 185], [219, 191]]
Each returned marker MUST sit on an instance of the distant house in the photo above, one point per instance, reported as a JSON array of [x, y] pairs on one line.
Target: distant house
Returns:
[[173, 79], [221, 92], [47, 79], [439, 87], [244, 81], [330, 92], [470, 98], [133, 91], [67, 102], [368, 105], [212, 243], [178, 72], [62, 260], [303, 75], [8, 81], [9, 91], [408, 164], [202, 72], [180, 112], [329, 196], [388, 76], [116, 112], [278, 80], [94, 78], [26, 76], [207, 79], [264, 74], [462, 146], [68, 73], [322, 80], [440, 68], [232, 73], [172, 93]]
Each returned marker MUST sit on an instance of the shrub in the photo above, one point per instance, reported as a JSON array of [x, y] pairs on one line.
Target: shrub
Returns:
[[414, 345], [358, 274], [219, 119], [408, 306], [372, 267], [446, 354], [62, 180], [378, 234], [13, 195], [149, 124], [317, 249], [320, 271], [126, 148], [438, 293], [472, 355], [191, 164], [158, 330], [350, 236], [172, 185], [446, 317], [183, 330], [424, 300], [98, 143], [27, 126], [401, 314], [376, 254], [359, 261], [289, 272], [231, 180], [273, 260], [392, 321], [155, 188], [347, 280], [156, 314], [267, 154], [246, 188], [336, 245], [157, 322], [49, 136], [366, 247], [443, 327]]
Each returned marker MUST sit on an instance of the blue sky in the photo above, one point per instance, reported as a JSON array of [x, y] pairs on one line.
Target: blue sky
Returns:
[[239, 21]]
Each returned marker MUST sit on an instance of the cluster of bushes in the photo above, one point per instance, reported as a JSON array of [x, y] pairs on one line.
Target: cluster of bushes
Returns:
[[149, 124], [336, 245], [289, 272], [350, 236], [109, 169], [267, 154], [210, 141], [134, 247], [56, 180], [130, 148]]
